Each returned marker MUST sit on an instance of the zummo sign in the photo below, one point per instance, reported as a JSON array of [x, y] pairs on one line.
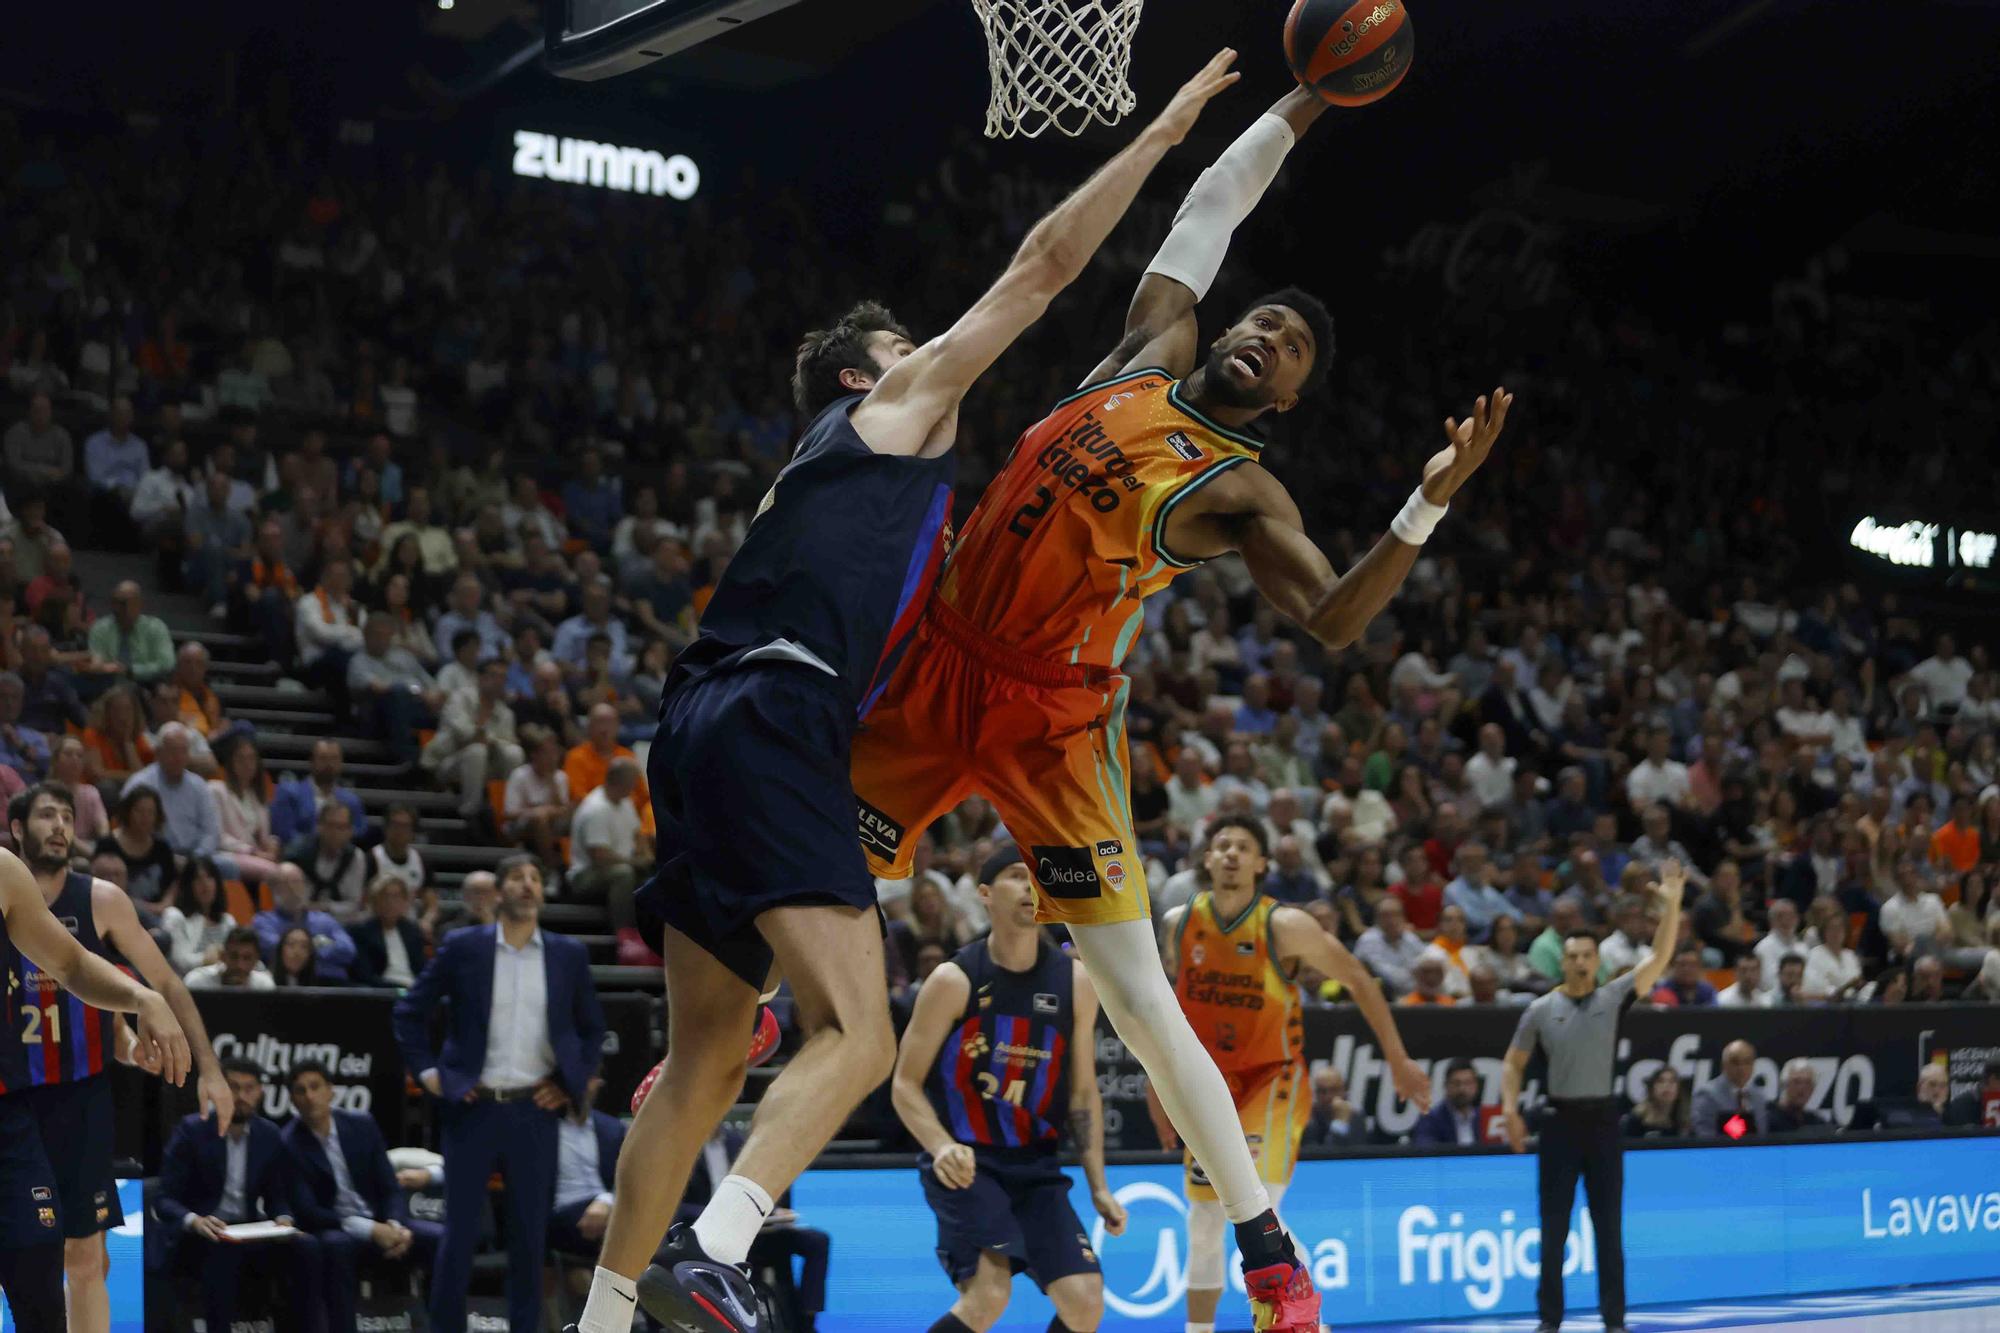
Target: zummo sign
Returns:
[[607, 166]]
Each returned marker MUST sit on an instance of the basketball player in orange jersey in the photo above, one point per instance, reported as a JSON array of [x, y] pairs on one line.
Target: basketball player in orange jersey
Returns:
[[1232, 953], [1013, 687]]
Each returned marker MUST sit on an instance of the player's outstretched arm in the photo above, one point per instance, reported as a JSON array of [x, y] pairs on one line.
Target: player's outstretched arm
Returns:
[[1160, 325], [1247, 510], [1667, 894], [118, 922], [49, 945], [940, 1002], [899, 414], [1300, 939]]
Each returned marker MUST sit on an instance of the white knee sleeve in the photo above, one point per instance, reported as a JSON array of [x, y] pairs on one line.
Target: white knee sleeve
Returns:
[[1204, 1264], [1124, 964]]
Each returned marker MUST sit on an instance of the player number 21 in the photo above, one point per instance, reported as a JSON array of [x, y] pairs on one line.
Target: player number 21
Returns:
[[1016, 1094], [31, 1030]]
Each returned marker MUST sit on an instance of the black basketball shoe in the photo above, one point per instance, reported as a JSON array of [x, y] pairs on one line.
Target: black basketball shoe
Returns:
[[692, 1293]]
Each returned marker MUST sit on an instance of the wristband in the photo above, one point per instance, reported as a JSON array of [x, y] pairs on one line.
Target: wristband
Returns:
[[1417, 519]]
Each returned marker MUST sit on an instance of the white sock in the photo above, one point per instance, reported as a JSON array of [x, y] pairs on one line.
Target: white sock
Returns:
[[1193, 1327], [1124, 965], [610, 1305], [732, 1219]]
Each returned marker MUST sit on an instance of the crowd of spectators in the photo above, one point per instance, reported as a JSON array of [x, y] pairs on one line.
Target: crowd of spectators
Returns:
[[478, 494]]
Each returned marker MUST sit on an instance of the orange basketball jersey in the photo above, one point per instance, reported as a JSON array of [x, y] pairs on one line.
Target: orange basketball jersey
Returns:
[[1066, 543], [1242, 1006]]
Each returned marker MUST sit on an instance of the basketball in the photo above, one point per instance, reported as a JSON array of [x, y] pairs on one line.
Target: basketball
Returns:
[[1350, 52]]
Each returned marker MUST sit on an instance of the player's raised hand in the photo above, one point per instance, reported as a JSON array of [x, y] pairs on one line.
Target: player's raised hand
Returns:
[[1181, 113], [1672, 888], [1471, 440]]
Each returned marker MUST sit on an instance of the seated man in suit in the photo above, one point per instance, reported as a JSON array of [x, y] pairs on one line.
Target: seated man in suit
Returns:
[[348, 1198], [1456, 1118], [1336, 1122], [523, 1035], [587, 1144], [388, 946], [209, 1181]]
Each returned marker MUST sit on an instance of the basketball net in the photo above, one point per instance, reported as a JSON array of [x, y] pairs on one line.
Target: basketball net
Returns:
[[1059, 63]]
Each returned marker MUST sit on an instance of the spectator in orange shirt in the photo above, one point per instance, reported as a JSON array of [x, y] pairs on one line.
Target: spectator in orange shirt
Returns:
[[1450, 945], [1956, 843], [199, 706], [116, 737], [1428, 972], [587, 763]]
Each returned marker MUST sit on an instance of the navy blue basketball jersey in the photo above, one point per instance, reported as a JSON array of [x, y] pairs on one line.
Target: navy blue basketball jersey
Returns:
[[839, 560], [63, 1040], [13, 1058], [1002, 1077]]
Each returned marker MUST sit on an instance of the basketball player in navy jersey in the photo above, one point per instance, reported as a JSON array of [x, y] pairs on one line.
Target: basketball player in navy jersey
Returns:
[[749, 770], [1000, 1051], [31, 1225], [70, 1044]]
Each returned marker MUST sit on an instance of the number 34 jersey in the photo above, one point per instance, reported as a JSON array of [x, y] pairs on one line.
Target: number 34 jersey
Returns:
[[1068, 540]]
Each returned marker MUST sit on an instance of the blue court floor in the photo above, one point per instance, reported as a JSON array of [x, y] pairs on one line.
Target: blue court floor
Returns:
[[1967, 1307]]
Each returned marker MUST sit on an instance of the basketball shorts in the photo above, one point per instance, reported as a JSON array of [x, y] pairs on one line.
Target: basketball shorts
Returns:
[[754, 809], [1017, 1209], [77, 1134], [30, 1208], [1044, 741], [1273, 1105]]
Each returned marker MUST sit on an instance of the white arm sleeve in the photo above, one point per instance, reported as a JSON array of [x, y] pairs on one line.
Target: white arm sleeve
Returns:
[[1222, 198]]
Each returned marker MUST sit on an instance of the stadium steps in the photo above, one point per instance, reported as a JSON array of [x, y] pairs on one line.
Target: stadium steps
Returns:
[[236, 696], [242, 673], [271, 721], [358, 776], [376, 799], [353, 749]]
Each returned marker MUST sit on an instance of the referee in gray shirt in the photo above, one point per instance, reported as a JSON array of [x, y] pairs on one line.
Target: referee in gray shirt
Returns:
[[1577, 1025]]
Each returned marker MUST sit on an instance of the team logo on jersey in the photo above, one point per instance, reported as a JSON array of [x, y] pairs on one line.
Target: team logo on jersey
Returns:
[[1110, 847], [69, 924], [1114, 875], [976, 1046], [46, 1216], [1185, 447], [1046, 1003], [1066, 872], [1198, 955], [879, 833], [41, 1194]]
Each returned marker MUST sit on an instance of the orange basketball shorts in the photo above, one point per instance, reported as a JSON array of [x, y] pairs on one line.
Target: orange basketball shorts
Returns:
[[1043, 741]]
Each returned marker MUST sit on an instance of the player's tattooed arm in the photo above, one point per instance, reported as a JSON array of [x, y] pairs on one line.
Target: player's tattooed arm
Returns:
[[1246, 509]]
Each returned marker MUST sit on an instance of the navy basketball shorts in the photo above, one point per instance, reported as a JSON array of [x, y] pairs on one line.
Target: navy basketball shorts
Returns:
[[754, 809], [77, 1134], [30, 1210], [1020, 1210]]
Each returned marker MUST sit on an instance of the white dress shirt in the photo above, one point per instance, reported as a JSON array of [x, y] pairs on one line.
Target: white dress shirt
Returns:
[[518, 1053], [1733, 996], [578, 1178], [1827, 972], [235, 1203], [396, 959]]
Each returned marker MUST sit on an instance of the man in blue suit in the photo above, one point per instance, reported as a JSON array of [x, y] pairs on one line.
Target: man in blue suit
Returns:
[[523, 1036], [1456, 1118], [587, 1145], [295, 804], [348, 1198], [209, 1181]]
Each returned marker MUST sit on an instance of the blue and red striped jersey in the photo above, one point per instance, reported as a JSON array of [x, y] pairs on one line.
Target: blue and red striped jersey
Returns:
[[1002, 1078], [61, 1039]]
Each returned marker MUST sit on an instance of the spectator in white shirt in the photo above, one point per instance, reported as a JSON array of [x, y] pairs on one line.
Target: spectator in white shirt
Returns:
[[1747, 991], [1801, 717], [397, 854], [241, 966], [1914, 921], [1833, 971], [1783, 938], [1943, 675], [606, 851], [328, 623], [1628, 946], [1658, 778], [1191, 799], [1490, 773]]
